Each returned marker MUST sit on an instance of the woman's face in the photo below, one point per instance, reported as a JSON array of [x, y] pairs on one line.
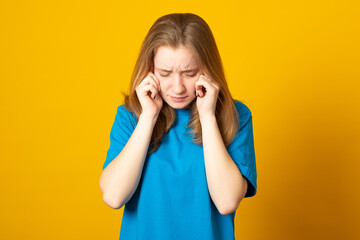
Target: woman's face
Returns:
[[177, 70]]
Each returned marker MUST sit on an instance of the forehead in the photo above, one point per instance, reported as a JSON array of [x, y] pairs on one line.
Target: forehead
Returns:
[[180, 58]]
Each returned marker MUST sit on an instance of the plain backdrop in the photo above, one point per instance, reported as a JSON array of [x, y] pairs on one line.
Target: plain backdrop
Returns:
[[295, 64]]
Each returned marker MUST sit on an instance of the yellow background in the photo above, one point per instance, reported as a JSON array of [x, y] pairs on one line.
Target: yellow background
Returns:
[[296, 65]]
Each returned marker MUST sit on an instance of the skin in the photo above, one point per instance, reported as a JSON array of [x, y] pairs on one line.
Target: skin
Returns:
[[176, 74]]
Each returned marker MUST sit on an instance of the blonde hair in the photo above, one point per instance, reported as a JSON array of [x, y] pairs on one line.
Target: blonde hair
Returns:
[[189, 30]]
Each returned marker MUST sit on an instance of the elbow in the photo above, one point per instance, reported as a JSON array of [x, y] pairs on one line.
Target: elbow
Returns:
[[230, 207], [109, 199], [228, 210], [112, 202]]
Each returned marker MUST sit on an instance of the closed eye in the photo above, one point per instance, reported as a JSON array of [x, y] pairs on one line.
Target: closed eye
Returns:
[[191, 75]]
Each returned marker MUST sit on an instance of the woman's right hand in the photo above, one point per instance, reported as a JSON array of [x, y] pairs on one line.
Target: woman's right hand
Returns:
[[149, 96]]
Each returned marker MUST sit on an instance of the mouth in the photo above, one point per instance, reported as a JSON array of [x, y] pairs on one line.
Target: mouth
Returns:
[[178, 99]]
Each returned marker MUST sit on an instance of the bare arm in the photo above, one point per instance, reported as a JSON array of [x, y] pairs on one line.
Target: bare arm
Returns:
[[121, 177], [227, 186]]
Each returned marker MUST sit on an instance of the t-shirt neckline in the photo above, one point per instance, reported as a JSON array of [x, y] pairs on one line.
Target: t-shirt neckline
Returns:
[[182, 112]]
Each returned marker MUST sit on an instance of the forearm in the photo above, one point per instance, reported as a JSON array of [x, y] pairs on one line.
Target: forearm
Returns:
[[226, 184], [121, 177]]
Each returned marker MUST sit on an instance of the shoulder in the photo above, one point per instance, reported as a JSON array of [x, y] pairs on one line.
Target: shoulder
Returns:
[[241, 108], [124, 115], [123, 110], [244, 114]]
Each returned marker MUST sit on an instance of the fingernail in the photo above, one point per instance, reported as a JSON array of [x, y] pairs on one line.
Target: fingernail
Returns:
[[159, 88]]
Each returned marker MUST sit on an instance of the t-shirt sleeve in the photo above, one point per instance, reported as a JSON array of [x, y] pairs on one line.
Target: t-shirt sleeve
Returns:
[[242, 151], [121, 131]]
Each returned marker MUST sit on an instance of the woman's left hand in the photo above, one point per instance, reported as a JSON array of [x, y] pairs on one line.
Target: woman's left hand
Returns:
[[207, 92]]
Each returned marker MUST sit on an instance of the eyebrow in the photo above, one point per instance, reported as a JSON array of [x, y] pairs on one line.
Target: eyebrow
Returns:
[[187, 70]]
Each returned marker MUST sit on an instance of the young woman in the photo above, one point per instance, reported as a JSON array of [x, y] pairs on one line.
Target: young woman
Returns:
[[181, 155]]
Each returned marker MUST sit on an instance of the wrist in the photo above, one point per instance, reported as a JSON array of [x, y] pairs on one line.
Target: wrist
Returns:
[[208, 119], [148, 118]]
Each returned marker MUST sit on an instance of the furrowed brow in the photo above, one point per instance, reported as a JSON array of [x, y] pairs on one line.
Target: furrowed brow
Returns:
[[164, 70], [190, 70], [183, 71]]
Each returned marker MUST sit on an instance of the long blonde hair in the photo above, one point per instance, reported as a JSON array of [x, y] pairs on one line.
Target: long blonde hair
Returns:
[[191, 31]]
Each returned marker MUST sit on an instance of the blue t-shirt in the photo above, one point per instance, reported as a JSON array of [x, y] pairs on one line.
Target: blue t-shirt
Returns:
[[172, 200]]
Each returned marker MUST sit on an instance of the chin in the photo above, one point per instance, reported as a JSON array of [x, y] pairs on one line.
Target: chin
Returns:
[[180, 105]]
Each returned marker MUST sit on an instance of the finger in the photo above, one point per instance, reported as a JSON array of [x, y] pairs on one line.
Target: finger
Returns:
[[202, 86], [154, 83], [158, 98], [155, 78], [198, 88], [208, 79], [200, 91], [145, 81], [208, 83], [149, 90]]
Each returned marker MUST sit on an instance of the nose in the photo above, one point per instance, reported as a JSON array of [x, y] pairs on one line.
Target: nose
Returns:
[[178, 86]]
